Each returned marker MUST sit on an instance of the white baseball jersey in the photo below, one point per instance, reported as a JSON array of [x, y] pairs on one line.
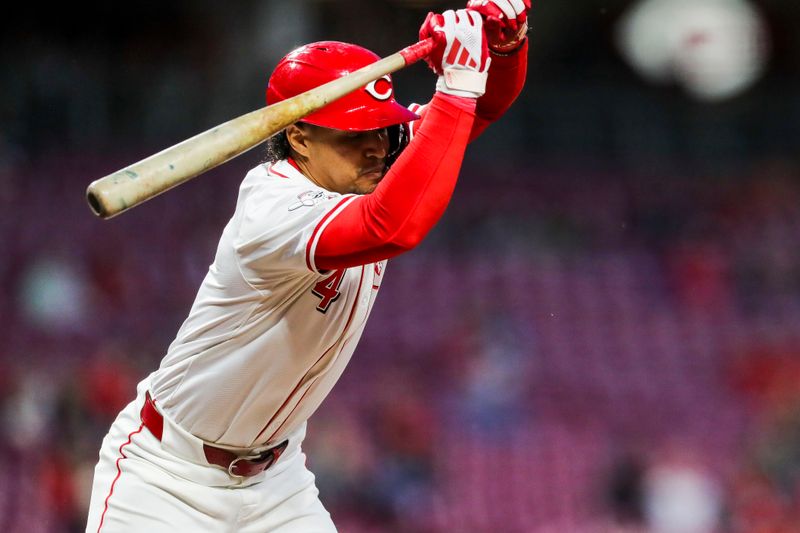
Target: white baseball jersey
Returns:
[[268, 335]]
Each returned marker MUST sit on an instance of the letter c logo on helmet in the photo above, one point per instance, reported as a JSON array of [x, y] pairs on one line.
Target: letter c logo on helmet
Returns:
[[317, 63], [372, 88]]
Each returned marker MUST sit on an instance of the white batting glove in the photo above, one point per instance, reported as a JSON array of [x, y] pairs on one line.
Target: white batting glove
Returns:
[[461, 55], [506, 22]]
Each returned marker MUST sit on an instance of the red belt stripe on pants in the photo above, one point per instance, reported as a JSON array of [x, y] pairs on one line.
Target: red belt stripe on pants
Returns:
[[236, 465]]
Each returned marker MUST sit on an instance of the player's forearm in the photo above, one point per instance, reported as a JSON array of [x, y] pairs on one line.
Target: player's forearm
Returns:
[[410, 199], [507, 75]]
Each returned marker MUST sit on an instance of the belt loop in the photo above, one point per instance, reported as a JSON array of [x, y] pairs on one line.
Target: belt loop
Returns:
[[151, 418]]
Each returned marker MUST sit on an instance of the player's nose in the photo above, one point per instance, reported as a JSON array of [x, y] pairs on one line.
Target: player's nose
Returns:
[[376, 144]]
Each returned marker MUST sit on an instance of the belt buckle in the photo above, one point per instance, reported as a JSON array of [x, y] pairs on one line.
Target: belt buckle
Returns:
[[261, 461], [231, 467]]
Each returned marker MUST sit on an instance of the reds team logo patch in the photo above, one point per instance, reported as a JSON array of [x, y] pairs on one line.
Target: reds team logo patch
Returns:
[[310, 199], [380, 89]]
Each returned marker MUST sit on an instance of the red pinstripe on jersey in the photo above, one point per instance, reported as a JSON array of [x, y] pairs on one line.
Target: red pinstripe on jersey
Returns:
[[300, 383], [119, 473]]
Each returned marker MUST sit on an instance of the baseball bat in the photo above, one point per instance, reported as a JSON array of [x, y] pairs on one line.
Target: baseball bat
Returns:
[[141, 181]]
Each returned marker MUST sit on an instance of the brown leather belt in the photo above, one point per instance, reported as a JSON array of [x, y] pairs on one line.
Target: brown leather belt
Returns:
[[236, 465]]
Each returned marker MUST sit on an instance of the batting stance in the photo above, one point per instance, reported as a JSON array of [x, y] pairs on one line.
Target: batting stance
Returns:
[[212, 441]]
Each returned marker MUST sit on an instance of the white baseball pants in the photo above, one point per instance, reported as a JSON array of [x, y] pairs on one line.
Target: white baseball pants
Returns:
[[142, 484]]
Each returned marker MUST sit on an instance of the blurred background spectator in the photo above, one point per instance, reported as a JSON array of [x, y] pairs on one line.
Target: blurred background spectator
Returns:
[[602, 335]]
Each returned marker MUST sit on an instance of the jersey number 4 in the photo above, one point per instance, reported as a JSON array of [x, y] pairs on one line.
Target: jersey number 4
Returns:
[[328, 290]]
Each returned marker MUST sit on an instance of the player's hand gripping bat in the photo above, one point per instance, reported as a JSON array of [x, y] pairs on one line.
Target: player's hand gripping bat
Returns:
[[158, 173]]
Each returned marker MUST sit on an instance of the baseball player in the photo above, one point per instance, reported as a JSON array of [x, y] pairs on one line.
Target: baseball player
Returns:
[[212, 441]]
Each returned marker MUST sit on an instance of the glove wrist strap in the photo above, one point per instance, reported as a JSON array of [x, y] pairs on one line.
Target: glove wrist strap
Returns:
[[460, 82]]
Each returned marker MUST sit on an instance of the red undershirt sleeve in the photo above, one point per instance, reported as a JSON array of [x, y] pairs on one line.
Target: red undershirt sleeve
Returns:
[[506, 78], [409, 200]]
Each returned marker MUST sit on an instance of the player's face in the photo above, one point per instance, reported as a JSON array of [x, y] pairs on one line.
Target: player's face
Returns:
[[342, 161]]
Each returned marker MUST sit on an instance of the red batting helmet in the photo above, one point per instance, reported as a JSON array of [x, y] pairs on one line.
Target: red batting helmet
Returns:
[[368, 108]]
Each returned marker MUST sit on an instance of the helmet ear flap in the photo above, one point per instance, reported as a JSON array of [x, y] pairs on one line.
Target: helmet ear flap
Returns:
[[398, 140]]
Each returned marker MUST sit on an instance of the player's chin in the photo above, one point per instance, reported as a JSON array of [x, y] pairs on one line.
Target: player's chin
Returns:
[[366, 186], [366, 189]]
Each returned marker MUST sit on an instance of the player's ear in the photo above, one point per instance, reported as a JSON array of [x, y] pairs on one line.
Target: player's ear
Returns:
[[297, 136]]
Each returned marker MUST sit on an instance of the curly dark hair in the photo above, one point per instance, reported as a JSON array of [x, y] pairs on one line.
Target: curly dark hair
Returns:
[[277, 147]]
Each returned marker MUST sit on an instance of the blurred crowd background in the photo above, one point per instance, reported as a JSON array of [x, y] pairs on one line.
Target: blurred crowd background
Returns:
[[602, 335]]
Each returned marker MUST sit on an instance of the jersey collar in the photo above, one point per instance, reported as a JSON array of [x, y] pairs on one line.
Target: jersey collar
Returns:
[[288, 169], [292, 162]]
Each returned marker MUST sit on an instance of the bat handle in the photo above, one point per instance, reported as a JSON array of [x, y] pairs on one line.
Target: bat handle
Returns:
[[417, 51]]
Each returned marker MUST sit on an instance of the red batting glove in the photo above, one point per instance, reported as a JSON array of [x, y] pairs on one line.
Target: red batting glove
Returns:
[[460, 56], [506, 22], [428, 30]]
